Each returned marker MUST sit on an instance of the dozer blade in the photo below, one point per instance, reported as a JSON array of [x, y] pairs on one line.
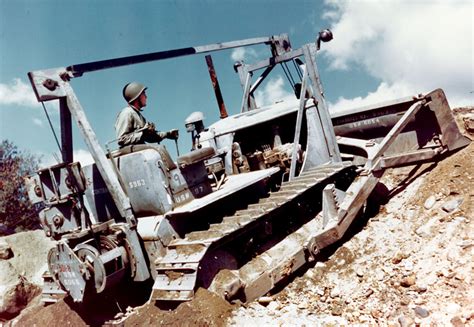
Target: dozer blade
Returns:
[[431, 131]]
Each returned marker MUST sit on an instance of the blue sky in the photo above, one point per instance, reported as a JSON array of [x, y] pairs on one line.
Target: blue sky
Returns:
[[381, 50]]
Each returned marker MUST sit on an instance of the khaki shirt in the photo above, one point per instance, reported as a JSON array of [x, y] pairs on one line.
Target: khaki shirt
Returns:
[[127, 124]]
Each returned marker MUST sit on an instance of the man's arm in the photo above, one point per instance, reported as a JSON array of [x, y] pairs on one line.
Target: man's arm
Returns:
[[151, 135]]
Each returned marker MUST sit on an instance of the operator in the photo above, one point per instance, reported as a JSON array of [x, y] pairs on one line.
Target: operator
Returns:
[[131, 127]]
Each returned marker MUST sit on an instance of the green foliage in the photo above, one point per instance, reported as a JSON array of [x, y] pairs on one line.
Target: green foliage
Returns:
[[16, 212]]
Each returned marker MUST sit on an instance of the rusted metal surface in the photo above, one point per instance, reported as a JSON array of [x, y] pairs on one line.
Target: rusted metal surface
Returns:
[[216, 87]]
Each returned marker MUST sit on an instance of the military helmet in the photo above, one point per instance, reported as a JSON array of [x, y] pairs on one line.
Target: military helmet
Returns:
[[132, 91]]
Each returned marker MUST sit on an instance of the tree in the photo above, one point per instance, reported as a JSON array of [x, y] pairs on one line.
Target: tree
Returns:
[[16, 212]]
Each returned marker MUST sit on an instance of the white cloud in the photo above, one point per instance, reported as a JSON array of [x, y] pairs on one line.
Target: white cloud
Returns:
[[38, 122], [17, 93], [48, 159], [272, 92], [414, 46], [81, 155], [383, 93], [239, 54]]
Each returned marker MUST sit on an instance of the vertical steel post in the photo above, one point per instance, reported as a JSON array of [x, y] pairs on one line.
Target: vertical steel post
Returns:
[[239, 68], [299, 120], [66, 131], [309, 51], [245, 97], [242, 70], [216, 87]]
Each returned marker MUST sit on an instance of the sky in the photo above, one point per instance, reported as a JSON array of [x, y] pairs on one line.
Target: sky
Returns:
[[382, 50]]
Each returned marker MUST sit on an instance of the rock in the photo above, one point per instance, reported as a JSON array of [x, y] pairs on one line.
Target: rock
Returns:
[[320, 264], [448, 273], [376, 313], [457, 322], [445, 191], [303, 305], [5, 250], [405, 300], [453, 308], [379, 274], [469, 123], [405, 321], [334, 293], [265, 300], [408, 265], [419, 301], [273, 306], [310, 274], [398, 257], [423, 231], [360, 272], [465, 244], [319, 291], [421, 312], [429, 203], [337, 308], [452, 205], [369, 292], [15, 297], [468, 316], [408, 281], [421, 288]]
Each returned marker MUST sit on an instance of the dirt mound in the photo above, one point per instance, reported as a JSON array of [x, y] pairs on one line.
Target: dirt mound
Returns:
[[206, 309], [451, 179], [59, 314]]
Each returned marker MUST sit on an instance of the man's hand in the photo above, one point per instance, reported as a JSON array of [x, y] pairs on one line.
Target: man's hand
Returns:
[[173, 134], [150, 127]]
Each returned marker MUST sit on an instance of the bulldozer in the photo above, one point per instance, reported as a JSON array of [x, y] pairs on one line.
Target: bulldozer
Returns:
[[260, 194]]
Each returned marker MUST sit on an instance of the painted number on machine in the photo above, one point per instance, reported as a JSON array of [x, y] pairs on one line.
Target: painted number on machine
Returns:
[[182, 197], [68, 276], [198, 190], [371, 121], [137, 183]]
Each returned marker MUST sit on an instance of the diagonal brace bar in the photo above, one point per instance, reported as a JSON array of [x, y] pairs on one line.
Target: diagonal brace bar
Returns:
[[374, 159]]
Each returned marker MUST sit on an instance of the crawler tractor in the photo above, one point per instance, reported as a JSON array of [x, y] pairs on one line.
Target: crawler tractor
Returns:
[[260, 194]]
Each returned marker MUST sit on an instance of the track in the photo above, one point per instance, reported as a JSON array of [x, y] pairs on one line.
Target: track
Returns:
[[178, 269]]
